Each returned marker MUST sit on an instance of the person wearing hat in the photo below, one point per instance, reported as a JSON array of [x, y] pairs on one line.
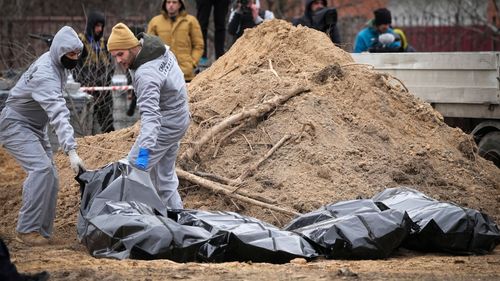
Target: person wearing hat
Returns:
[[378, 33], [35, 101], [163, 106], [181, 32]]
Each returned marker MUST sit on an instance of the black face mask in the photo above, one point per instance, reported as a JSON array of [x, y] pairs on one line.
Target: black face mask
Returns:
[[68, 63]]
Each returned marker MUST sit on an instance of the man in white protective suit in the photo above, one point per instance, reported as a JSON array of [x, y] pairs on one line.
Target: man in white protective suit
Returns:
[[163, 105], [35, 101]]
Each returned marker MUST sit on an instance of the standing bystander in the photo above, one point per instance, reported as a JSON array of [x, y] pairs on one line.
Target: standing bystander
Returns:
[[378, 35], [94, 68], [246, 15], [220, 7], [319, 16], [181, 32]]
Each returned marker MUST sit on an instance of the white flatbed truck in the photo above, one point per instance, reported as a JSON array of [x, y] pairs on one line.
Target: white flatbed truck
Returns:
[[463, 86]]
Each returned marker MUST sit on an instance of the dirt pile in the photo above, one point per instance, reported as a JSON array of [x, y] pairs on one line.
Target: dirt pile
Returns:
[[351, 133]]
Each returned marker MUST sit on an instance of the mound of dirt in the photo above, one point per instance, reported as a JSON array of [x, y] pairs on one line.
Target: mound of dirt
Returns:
[[356, 132], [345, 131]]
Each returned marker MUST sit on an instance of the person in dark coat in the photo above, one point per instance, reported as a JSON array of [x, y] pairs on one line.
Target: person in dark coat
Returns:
[[95, 69], [314, 17], [8, 271], [246, 15]]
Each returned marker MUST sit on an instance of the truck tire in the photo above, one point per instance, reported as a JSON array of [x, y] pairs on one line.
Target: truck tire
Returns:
[[489, 147]]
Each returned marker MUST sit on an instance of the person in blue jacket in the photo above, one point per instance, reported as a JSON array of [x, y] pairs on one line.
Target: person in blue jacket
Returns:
[[378, 36]]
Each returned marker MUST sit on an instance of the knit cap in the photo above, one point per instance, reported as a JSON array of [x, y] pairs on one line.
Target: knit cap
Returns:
[[382, 16], [121, 38]]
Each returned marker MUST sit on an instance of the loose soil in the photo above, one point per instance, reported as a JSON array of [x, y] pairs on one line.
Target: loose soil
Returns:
[[354, 133]]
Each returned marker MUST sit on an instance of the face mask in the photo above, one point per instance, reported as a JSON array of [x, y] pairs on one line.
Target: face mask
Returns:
[[68, 63]]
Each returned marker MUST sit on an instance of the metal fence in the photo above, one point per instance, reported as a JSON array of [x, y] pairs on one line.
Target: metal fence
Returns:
[[18, 49]]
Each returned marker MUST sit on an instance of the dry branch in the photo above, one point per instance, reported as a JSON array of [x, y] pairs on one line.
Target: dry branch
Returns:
[[218, 178], [227, 183], [248, 142], [225, 137], [256, 165], [256, 112], [218, 188]]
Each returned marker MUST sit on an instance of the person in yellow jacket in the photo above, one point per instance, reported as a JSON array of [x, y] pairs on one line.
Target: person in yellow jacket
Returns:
[[181, 32]]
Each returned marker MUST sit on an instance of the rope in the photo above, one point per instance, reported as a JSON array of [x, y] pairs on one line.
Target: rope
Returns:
[[106, 88]]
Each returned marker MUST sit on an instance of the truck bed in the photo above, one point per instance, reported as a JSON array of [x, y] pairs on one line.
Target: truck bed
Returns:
[[457, 84]]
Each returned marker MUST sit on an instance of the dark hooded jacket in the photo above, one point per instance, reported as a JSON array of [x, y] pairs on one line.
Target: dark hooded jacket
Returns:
[[307, 20], [93, 19], [94, 66]]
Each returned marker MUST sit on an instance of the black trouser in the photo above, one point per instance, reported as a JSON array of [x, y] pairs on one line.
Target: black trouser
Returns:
[[103, 110], [8, 271], [221, 8]]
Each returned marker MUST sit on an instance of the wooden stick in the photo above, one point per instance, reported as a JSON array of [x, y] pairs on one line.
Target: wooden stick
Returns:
[[228, 182], [225, 137], [217, 188], [207, 120], [276, 218], [248, 142], [218, 178], [235, 205], [256, 112], [254, 167], [272, 69], [227, 72], [354, 63], [397, 79], [264, 130]]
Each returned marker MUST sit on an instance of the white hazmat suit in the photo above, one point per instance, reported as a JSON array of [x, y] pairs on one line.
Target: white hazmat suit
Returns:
[[36, 100], [163, 104]]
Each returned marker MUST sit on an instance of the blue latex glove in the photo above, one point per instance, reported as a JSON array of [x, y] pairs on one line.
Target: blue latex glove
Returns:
[[143, 159]]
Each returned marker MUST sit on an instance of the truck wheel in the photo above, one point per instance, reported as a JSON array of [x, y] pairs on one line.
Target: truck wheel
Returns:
[[489, 147]]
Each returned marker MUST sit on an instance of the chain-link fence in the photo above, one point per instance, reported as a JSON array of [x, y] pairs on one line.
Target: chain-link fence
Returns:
[[23, 40]]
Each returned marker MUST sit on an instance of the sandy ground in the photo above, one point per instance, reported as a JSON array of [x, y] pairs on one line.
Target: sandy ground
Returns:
[[353, 133]]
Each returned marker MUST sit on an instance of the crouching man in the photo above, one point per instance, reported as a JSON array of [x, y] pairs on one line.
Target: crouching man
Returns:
[[35, 101]]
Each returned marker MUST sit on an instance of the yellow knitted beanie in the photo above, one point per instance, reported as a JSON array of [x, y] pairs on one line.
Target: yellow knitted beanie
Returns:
[[121, 38]]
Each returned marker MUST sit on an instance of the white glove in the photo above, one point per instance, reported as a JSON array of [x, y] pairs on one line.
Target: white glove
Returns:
[[386, 38], [75, 162]]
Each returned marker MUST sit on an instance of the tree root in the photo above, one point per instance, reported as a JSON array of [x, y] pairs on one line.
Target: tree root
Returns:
[[221, 189], [255, 112], [256, 165]]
